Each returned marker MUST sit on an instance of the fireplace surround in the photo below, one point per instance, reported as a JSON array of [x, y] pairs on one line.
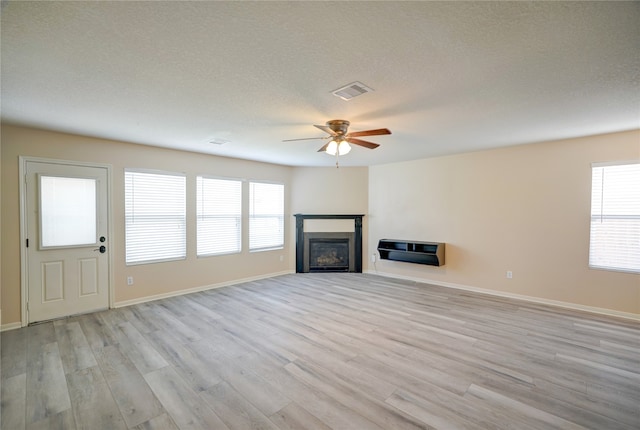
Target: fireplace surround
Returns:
[[328, 251]]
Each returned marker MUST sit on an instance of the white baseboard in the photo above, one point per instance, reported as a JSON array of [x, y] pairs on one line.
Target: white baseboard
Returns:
[[196, 289], [10, 326], [538, 300], [557, 303]]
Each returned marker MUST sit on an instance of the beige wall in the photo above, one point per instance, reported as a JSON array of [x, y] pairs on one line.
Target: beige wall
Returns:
[[320, 190], [149, 279], [525, 209], [330, 190]]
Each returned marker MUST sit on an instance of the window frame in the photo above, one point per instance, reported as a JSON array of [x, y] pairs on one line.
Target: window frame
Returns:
[[240, 183], [183, 219], [281, 217], [602, 215]]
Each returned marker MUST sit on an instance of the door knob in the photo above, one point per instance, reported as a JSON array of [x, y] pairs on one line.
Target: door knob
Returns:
[[102, 249]]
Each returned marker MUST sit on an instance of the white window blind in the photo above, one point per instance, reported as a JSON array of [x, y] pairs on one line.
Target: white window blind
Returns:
[[615, 217], [219, 212], [155, 217], [266, 216]]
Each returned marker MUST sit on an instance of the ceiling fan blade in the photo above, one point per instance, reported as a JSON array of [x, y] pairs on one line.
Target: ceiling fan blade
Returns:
[[326, 129], [307, 138], [324, 147], [361, 142], [375, 132]]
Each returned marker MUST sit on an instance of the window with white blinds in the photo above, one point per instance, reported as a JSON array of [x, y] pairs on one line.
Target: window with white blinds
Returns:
[[266, 216], [219, 214], [155, 217], [615, 217]]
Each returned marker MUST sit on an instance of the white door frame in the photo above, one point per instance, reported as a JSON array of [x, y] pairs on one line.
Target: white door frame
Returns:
[[24, 269]]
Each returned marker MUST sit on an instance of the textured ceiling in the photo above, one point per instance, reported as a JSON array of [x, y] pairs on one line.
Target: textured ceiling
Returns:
[[448, 77]]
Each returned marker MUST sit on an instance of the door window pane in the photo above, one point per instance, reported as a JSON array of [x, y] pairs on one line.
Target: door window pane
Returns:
[[67, 211]]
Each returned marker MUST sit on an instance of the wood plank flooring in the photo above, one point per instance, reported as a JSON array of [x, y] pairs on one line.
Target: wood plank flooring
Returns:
[[324, 351]]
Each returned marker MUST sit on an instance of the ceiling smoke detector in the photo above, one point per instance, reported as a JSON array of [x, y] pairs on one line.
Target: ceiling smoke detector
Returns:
[[352, 90], [218, 141]]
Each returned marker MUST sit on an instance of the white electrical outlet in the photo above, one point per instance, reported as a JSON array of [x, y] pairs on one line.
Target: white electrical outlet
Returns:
[[373, 258], [282, 258], [509, 274], [129, 280]]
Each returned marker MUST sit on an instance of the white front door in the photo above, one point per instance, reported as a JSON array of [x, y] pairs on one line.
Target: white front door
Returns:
[[67, 239]]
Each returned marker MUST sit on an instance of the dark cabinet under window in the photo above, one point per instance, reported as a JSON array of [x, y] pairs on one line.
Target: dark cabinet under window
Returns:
[[430, 253]]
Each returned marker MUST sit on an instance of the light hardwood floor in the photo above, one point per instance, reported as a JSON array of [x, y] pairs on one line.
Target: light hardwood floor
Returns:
[[325, 351]]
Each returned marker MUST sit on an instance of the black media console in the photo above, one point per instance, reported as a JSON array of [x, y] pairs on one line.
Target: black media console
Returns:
[[431, 253]]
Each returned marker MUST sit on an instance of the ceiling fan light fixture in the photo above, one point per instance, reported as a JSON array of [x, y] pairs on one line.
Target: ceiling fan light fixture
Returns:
[[342, 139], [344, 148], [338, 146], [332, 148]]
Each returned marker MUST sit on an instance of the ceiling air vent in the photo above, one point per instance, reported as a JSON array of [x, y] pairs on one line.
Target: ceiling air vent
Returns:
[[352, 90]]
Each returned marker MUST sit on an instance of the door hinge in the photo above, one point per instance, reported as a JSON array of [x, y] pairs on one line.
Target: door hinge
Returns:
[[27, 243], [27, 306]]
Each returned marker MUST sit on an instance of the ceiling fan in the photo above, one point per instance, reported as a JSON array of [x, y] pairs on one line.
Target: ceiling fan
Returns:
[[340, 138]]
